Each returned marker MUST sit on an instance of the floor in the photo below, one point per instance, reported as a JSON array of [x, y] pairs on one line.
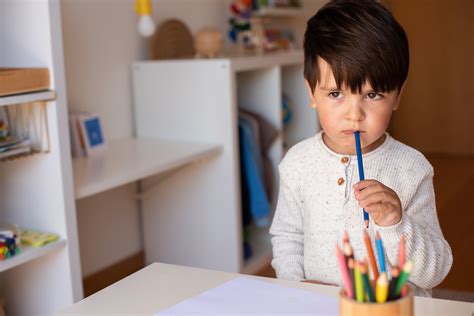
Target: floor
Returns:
[[454, 188]]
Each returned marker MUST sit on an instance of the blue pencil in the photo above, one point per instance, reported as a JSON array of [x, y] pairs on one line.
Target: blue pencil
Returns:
[[361, 171], [380, 253]]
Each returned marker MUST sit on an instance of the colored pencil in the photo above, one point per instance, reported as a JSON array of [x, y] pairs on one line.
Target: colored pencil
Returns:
[[356, 279], [401, 260], [359, 287], [393, 282], [370, 251], [347, 250], [381, 289], [345, 237], [345, 273], [380, 253], [404, 291], [346, 246], [366, 282], [361, 171], [403, 277], [350, 267], [402, 252]]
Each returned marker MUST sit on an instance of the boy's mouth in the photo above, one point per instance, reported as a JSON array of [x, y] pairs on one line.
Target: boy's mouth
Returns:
[[350, 131]]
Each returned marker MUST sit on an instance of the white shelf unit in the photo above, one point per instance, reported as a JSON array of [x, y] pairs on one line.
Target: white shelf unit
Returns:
[[199, 100], [30, 253], [27, 98], [37, 193], [129, 160]]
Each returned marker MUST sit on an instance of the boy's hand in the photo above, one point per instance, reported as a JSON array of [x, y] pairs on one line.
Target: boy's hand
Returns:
[[381, 202]]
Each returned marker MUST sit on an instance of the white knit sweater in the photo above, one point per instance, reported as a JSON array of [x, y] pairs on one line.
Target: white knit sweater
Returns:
[[315, 207]]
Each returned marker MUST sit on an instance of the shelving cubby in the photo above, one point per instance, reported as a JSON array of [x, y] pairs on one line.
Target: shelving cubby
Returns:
[[37, 192], [204, 228]]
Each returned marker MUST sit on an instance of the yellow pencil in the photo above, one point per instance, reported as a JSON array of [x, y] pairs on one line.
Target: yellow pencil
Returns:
[[381, 290], [359, 286]]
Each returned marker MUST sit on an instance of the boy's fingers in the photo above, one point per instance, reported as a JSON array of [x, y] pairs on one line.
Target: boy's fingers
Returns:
[[383, 197], [365, 184], [376, 209], [362, 194]]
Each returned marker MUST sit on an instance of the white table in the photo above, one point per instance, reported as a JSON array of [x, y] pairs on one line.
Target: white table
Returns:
[[159, 286]]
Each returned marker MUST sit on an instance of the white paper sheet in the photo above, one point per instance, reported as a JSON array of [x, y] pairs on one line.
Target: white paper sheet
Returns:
[[249, 296]]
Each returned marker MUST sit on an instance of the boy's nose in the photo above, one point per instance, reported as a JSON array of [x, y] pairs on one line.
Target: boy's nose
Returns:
[[355, 112]]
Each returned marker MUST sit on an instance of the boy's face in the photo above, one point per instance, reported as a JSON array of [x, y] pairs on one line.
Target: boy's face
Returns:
[[342, 112]]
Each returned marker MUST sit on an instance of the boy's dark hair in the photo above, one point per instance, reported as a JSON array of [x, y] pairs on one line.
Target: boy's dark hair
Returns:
[[361, 41]]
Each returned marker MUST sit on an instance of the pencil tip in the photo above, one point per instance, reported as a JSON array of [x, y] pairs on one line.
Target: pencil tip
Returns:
[[345, 236], [377, 235], [366, 222]]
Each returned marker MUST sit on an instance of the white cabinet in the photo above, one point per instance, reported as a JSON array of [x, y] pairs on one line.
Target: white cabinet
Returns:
[[37, 191], [194, 217]]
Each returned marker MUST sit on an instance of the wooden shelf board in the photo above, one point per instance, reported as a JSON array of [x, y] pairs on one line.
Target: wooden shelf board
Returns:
[[245, 62], [129, 160], [30, 253], [279, 12], [27, 98]]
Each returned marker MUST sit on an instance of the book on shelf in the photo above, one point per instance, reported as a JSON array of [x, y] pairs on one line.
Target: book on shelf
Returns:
[[86, 135], [14, 148]]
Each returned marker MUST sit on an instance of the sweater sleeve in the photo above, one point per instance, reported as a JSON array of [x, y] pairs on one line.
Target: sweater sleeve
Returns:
[[287, 233], [425, 243]]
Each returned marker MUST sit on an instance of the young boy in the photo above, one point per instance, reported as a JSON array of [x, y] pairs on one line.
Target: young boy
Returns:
[[356, 64]]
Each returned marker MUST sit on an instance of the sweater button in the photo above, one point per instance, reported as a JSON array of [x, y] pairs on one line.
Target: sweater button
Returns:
[[344, 159], [340, 181]]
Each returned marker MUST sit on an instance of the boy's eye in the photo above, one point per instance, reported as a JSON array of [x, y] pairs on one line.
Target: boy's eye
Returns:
[[374, 96], [336, 95]]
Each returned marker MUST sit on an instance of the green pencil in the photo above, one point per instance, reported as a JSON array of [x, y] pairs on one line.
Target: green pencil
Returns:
[[407, 267], [365, 279]]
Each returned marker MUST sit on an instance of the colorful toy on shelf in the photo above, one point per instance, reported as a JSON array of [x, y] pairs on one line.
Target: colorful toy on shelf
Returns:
[[253, 31], [3, 124], [240, 21], [36, 238], [9, 241]]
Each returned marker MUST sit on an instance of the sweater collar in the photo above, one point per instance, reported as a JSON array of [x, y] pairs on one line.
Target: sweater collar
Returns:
[[368, 156]]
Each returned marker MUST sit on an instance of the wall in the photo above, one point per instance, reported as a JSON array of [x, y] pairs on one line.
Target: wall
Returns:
[[436, 110], [100, 43]]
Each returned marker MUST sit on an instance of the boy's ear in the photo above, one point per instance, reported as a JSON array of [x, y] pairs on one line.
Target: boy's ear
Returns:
[[399, 97], [312, 99]]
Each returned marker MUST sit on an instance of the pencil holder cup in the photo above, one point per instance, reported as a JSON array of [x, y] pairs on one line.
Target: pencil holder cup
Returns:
[[402, 306]]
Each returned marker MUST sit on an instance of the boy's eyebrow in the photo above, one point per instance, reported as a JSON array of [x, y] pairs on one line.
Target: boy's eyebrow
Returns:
[[336, 89], [329, 88]]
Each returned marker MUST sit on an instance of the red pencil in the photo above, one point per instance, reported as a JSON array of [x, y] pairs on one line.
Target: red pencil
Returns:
[[345, 273], [350, 267], [402, 252]]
